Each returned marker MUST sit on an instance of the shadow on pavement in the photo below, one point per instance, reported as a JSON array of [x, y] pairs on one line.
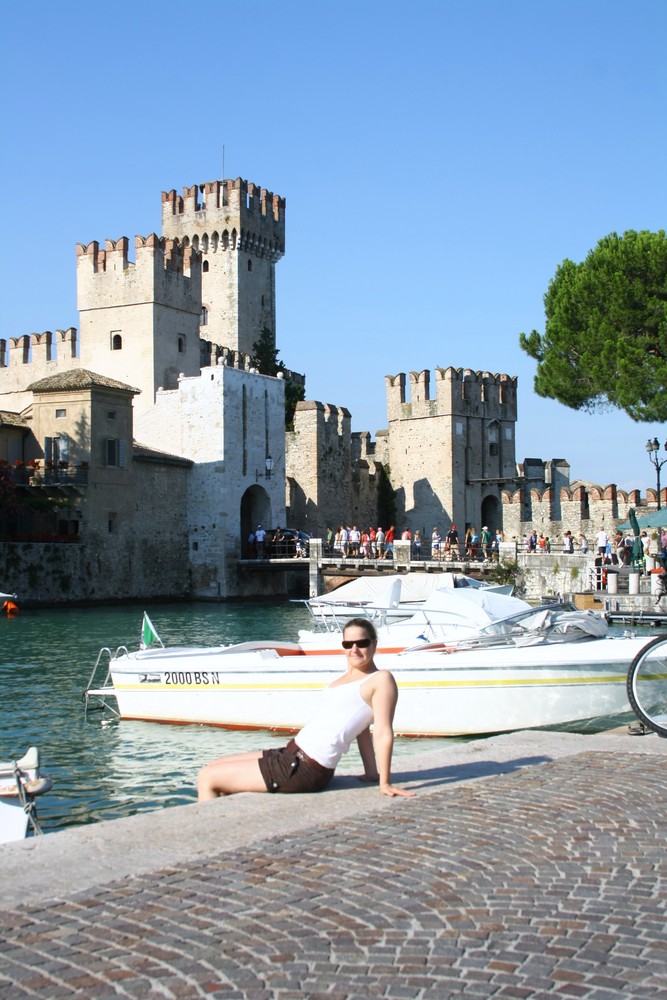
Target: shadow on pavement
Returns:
[[436, 777]]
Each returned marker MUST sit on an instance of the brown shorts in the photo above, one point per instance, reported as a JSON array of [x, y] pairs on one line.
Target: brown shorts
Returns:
[[289, 769]]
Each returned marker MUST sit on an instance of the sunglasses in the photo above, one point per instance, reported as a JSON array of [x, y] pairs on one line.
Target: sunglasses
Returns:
[[360, 643]]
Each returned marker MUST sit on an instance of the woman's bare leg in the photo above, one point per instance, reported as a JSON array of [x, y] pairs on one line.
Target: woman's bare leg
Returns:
[[236, 773]]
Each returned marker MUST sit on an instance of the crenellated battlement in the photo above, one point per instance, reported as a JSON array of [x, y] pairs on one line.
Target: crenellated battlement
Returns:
[[579, 507], [167, 253], [36, 349], [458, 391], [163, 272], [230, 214]]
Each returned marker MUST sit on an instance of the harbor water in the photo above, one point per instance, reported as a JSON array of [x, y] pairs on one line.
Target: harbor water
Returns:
[[103, 767]]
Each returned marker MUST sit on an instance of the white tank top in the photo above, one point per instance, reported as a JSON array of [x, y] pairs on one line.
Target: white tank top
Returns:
[[343, 714]]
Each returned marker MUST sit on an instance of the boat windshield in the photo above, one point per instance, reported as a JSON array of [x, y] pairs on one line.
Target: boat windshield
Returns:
[[532, 620]]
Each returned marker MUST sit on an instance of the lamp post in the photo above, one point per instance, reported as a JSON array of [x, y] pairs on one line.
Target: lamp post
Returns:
[[652, 447], [268, 469]]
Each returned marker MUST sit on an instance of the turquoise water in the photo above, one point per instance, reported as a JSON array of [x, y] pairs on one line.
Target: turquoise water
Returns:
[[102, 767]]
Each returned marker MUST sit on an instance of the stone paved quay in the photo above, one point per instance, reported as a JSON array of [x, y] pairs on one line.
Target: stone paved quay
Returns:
[[529, 865]]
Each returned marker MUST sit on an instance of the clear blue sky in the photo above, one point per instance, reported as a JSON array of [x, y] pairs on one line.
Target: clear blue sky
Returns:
[[439, 160]]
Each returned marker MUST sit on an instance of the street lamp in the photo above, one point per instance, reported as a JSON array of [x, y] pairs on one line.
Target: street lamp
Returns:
[[652, 447], [268, 469]]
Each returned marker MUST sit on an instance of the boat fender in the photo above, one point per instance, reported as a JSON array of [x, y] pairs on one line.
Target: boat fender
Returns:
[[36, 786], [10, 609]]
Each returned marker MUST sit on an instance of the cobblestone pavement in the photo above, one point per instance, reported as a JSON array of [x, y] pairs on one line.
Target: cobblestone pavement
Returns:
[[541, 882]]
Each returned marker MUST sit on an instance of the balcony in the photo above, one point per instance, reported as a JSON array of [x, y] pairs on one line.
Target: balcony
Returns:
[[37, 475]]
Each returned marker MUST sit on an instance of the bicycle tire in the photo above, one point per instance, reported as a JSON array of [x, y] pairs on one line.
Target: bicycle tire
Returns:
[[647, 685]]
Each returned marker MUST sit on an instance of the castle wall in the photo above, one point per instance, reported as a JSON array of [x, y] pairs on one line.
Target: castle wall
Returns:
[[227, 421], [145, 556], [32, 357], [580, 508], [318, 467], [239, 228]]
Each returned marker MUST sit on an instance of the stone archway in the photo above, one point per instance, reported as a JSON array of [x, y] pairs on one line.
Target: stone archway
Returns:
[[255, 510], [492, 514]]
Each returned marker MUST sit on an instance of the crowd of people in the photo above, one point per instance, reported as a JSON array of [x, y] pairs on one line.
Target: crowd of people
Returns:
[[376, 543], [616, 549], [477, 546], [363, 543], [280, 543]]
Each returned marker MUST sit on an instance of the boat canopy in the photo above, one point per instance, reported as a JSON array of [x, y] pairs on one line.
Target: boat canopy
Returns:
[[469, 607]]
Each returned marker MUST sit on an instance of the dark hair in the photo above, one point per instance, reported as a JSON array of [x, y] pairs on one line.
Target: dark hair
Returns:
[[363, 623]]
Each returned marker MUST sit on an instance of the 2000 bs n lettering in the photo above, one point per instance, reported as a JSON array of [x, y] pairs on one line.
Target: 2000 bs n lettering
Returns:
[[190, 677]]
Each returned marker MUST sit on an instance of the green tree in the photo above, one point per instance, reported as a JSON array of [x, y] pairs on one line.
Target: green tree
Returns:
[[266, 357], [605, 339]]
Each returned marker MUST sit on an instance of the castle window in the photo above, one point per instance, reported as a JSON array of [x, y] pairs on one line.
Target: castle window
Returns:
[[26, 350], [61, 414], [114, 453], [493, 448], [249, 264], [111, 414], [181, 345], [116, 341], [204, 316], [112, 522], [204, 267], [56, 449], [3, 353]]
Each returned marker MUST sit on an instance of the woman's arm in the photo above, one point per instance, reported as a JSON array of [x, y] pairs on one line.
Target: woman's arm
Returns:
[[383, 702], [367, 753]]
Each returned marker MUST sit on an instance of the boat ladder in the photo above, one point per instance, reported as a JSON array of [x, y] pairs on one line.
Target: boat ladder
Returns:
[[96, 698]]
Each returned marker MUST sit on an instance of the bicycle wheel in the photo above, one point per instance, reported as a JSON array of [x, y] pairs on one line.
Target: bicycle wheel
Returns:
[[647, 685]]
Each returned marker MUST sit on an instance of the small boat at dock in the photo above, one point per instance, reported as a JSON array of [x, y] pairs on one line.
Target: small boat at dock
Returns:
[[21, 782]]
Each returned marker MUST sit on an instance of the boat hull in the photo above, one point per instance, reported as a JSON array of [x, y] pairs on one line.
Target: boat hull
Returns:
[[466, 692], [14, 817]]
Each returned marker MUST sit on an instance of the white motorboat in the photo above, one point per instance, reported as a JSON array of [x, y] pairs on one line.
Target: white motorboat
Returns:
[[386, 599], [543, 667], [20, 783]]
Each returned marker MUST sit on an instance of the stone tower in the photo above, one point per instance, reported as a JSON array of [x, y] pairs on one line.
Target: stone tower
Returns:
[[239, 229], [452, 466], [140, 320]]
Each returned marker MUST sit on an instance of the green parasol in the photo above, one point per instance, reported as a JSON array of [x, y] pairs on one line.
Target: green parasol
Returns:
[[637, 546]]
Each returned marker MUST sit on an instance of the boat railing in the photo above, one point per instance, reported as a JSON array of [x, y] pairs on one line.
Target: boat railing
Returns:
[[330, 616]]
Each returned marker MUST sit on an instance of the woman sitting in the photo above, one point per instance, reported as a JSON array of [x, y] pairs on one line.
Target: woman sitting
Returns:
[[363, 695]]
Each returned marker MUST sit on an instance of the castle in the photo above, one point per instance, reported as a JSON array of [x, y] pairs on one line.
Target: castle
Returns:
[[149, 437]]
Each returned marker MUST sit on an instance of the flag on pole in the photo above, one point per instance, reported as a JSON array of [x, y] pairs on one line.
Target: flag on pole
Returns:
[[148, 634]]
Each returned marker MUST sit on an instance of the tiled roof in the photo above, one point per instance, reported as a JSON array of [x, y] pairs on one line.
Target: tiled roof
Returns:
[[142, 451], [10, 419], [79, 378]]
